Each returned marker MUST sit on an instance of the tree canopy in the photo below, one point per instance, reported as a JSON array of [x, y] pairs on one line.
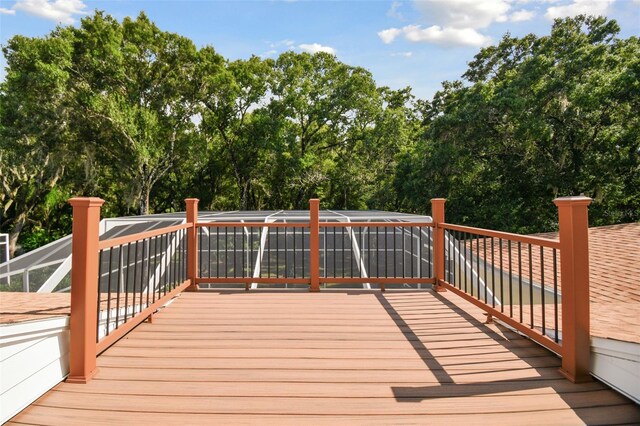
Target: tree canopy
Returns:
[[542, 117], [143, 118]]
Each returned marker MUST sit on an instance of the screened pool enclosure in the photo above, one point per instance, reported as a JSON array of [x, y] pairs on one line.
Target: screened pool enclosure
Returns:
[[280, 252]]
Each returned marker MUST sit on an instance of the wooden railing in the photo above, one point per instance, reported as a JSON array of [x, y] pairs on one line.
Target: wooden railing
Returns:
[[529, 292], [314, 252], [117, 283], [514, 278], [138, 274]]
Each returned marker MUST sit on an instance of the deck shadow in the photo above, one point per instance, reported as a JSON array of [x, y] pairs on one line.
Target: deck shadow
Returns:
[[571, 394], [425, 355]]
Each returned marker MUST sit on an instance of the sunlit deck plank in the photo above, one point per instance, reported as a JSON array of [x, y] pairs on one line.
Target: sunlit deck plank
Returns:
[[47, 415], [328, 358]]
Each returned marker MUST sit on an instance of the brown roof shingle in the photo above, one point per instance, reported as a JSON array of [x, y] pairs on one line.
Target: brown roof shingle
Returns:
[[614, 265]]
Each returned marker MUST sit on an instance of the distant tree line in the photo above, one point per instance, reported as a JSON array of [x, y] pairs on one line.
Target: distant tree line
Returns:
[[142, 118]]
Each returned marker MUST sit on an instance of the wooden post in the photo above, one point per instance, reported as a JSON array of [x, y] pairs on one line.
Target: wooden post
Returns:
[[573, 222], [314, 244], [84, 288], [192, 243], [437, 213]]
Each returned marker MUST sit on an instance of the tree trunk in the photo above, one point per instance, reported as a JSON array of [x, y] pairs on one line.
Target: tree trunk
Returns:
[[244, 195], [19, 223], [143, 203]]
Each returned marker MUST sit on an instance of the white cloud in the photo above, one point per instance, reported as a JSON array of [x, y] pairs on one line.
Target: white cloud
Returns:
[[316, 47], [393, 10], [282, 43], [579, 7], [464, 13], [403, 54], [456, 22], [522, 15], [535, 1], [7, 11], [58, 10], [446, 36], [268, 53], [387, 36], [277, 47]]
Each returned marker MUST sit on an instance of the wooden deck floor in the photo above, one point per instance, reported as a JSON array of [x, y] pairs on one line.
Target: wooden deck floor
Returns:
[[327, 358]]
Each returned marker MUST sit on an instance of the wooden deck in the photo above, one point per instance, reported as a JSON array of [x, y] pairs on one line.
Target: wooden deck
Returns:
[[329, 359]]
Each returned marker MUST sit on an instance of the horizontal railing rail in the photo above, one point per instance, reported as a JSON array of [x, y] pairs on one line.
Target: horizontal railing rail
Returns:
[[118, 241], [252, 224], [374, 224], [526, 239]]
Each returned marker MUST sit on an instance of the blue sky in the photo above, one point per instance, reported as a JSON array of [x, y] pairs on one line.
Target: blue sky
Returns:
[[403, 43]]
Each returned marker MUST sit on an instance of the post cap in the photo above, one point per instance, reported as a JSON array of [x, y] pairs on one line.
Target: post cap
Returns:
[[86, 201], [438, 200], [579, 200], [314, 201]]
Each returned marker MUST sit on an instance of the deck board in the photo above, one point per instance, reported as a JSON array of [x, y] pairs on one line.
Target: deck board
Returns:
[[328, 358]]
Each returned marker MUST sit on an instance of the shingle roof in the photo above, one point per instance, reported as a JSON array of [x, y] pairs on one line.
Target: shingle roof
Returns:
[[20, 307], [614, 264]]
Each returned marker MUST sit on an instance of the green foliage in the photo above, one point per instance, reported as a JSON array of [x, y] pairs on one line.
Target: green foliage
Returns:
[[137, 94], [37, 237], [543, 117], [140, 117]]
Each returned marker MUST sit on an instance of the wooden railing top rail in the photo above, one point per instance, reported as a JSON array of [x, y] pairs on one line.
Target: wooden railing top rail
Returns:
[[307, 224], [374, 224], [118, 241], [257, 280], [527, 239], [377, 280], [252, 224]]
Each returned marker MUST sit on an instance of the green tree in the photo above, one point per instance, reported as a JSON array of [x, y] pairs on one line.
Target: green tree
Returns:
[[230, 97], [134, 84], [543, 117], [35, 127], [322, 100]]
